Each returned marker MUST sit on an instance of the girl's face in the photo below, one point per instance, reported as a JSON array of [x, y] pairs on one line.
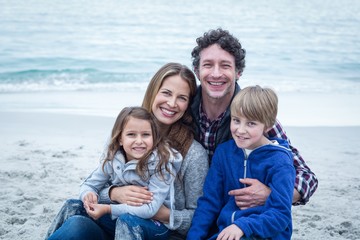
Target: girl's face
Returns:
[[246, 133], [136, 138], [172, 100]]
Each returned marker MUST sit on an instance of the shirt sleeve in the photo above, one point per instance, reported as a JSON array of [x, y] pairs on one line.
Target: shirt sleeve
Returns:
[[306, 181], [194, 170]]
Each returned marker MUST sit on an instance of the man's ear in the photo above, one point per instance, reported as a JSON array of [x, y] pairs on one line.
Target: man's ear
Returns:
[[238, 75], [196, 71]]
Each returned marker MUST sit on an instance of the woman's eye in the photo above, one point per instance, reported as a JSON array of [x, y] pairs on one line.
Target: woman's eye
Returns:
[[184, 99]]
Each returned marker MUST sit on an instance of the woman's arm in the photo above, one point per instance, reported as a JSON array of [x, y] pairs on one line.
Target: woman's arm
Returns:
[[188, 187]]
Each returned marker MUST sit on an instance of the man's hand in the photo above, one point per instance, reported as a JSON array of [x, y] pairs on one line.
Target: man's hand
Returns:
[[131, 195], [231, 232], [254, 195], [96, 211]]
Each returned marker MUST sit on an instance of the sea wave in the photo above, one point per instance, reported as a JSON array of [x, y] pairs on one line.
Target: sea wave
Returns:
[[70, 80], [90, 79]]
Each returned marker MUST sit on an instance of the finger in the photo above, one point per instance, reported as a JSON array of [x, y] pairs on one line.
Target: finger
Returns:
[[143, 191], [238, 192], [137, 201], [247, 181]]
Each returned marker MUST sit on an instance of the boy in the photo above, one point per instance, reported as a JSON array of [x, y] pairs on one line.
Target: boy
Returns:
[[248, 155]]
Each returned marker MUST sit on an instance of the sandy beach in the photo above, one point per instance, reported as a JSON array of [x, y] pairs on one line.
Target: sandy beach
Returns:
[[45, 155]]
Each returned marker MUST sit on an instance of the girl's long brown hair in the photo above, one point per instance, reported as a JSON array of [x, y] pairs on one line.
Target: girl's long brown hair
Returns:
[[159, 143]]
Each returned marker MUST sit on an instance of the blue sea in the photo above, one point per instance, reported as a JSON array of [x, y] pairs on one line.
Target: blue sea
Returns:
[[293, 46]]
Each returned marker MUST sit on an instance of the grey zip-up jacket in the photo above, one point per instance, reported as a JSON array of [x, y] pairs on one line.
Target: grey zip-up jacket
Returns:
[[119, 173]]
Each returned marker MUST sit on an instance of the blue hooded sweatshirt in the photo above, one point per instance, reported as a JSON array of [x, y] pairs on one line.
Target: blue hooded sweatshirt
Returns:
[[270, 164]]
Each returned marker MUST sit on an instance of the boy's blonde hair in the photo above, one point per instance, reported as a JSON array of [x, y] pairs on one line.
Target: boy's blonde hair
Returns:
[[256, 104]]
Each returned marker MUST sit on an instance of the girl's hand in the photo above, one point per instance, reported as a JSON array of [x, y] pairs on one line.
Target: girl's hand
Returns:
[[131, 195], [96, 211], [90, 197]]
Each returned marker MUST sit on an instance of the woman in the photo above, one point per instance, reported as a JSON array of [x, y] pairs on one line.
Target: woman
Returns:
[[168, 97]]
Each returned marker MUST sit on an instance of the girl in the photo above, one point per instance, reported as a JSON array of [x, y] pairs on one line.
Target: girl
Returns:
[[136, 155]]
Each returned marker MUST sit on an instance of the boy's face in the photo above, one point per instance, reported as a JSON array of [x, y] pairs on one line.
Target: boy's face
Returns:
[[217, 72], [136, 138], [247, 133]]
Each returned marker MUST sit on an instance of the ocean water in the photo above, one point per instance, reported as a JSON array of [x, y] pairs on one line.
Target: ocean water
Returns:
[[117, 45]]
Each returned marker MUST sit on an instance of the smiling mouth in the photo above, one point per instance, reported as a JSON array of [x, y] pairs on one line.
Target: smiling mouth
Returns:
[[216, 83], [139, 149], [168, 112], [241, 138]]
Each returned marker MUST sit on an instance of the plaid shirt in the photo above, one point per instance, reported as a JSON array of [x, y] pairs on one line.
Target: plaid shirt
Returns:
[[208, 130], [306, 182]]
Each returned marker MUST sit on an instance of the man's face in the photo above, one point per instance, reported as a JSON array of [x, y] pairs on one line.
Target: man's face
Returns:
[[217, 72]]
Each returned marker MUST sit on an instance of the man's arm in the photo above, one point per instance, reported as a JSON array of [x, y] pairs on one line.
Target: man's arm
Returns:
[[305, 182]]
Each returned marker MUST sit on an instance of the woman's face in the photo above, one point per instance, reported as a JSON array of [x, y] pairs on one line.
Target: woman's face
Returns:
[[172, 100]]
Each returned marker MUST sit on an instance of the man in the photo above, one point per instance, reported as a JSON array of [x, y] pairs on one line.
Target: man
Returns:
[[218, 62]]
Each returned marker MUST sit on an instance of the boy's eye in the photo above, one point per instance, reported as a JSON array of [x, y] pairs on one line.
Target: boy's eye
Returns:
[[236, 120]]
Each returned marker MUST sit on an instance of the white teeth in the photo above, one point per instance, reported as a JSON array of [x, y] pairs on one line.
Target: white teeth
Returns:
[[168, 112], [216, 83]]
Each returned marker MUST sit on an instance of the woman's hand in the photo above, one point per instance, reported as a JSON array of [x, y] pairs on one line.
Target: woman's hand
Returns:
[[254, 195], [131, 195]]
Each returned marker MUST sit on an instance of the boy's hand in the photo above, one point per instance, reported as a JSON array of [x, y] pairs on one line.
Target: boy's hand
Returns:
[[254, 195], [96, 211], [231, 232]]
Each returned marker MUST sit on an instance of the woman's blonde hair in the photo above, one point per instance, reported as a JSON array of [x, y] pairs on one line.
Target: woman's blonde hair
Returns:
[[257, 104], [181, 132]]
